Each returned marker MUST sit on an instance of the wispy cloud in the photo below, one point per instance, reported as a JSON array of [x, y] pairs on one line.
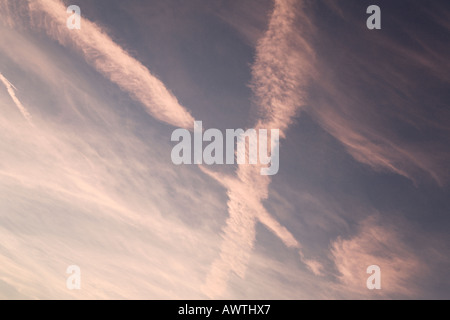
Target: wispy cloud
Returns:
[[372, 98], [282, 68], [10, 88], [78, 197], [111, 60], [376, 244], [72, 194], [284, 65]]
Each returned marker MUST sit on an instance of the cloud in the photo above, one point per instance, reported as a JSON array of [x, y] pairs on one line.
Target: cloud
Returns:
[[78, 190], [382, 94], [10, 88], [376, 244], [280, 72], [109, 59], [283, 67], [104, 203]]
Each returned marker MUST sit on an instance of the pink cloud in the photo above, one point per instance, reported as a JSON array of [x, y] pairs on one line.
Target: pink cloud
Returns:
[[111, 60], [376, 244], [279, 74]]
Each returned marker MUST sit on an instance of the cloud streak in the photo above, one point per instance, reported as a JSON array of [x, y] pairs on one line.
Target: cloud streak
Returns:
[[10, 88], [372, 98], [112, 61]]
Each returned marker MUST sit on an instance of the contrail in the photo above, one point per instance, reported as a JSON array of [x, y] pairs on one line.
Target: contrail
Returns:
[[108, 58], [280, 73], [10, 88]]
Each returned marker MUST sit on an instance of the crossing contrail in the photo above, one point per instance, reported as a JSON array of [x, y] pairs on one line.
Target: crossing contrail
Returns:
[[280, 72]]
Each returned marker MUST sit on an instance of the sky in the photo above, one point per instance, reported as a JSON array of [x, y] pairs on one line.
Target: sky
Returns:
[[87, 179]]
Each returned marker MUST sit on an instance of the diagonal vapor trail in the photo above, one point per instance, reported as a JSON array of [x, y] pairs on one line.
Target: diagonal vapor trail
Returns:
[[10, 88], [111, 60]]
